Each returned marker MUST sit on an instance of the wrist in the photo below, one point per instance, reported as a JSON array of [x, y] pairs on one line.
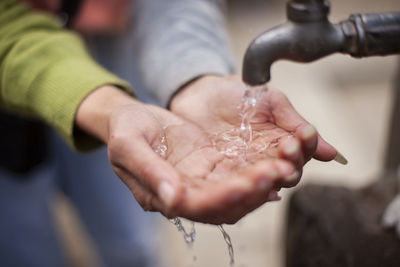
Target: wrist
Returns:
[[178, 92], [188, 88], [94, 112]]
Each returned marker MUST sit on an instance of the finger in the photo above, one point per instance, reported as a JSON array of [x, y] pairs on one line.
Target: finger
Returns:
[[134, 155], [213, 201], [266, 176], [289, 119], [292, 175], [228, 200], [308, 137], [284, 113], [146, 199], [290, 149], [326, 152], [273, 196]]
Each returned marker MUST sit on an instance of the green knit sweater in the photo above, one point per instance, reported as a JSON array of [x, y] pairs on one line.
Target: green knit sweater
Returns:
[[45, 70]]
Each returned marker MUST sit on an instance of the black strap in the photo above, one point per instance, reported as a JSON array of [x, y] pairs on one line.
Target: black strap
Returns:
[[69, 9], [23, 143]]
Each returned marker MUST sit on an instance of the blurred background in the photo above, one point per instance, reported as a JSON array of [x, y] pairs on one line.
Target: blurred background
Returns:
[[348, 100]]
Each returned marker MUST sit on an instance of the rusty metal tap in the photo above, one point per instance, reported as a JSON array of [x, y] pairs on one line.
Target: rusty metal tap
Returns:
[[308, 35]]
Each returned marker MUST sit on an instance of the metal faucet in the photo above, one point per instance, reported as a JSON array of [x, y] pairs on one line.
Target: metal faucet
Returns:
[[308, 36]]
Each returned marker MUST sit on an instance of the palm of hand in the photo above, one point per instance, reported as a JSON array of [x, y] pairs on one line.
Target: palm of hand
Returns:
[[215, 190], [193, 179], [248, 130], [274, 124], [208, 188]]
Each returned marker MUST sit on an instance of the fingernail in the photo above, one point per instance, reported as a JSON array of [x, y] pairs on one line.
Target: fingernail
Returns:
[[273, 196], [292, 178], [167, 193], [308, 131], [292, 148], [340, 158]]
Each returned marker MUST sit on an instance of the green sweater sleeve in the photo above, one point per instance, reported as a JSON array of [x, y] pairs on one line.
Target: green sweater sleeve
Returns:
[[45, 70]]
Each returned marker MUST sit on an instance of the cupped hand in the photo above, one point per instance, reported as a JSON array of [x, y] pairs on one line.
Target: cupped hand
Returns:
[[214, 103], [171, 166]]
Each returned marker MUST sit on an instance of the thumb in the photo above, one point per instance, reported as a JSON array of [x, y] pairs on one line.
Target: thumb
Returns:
[[153, 172], [325, 151]]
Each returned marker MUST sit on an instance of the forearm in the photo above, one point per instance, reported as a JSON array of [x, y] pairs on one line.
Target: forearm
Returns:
[[179, 41]]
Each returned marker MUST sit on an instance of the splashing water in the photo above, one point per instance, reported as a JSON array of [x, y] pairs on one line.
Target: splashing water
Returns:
[[228, 241], [188, 236], [239, 140], [247, 112], [237, 143]]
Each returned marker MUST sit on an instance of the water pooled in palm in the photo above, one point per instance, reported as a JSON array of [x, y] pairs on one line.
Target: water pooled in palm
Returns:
[[161, 149], [237, 143]]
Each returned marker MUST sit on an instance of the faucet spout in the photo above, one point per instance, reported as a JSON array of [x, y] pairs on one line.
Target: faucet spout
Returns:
[[299, 42], [308, 36]]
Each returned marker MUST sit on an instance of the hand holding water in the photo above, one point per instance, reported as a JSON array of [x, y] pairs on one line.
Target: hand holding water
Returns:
[[278, 131], [170, 165]]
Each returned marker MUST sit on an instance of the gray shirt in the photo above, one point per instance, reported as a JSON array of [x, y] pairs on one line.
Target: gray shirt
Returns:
[[171, 42]]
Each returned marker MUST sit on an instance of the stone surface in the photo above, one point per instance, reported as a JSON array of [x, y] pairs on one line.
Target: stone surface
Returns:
[[339, 227]]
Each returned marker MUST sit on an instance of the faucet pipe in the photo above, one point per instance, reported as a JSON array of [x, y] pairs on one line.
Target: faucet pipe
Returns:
[[308, 36]]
